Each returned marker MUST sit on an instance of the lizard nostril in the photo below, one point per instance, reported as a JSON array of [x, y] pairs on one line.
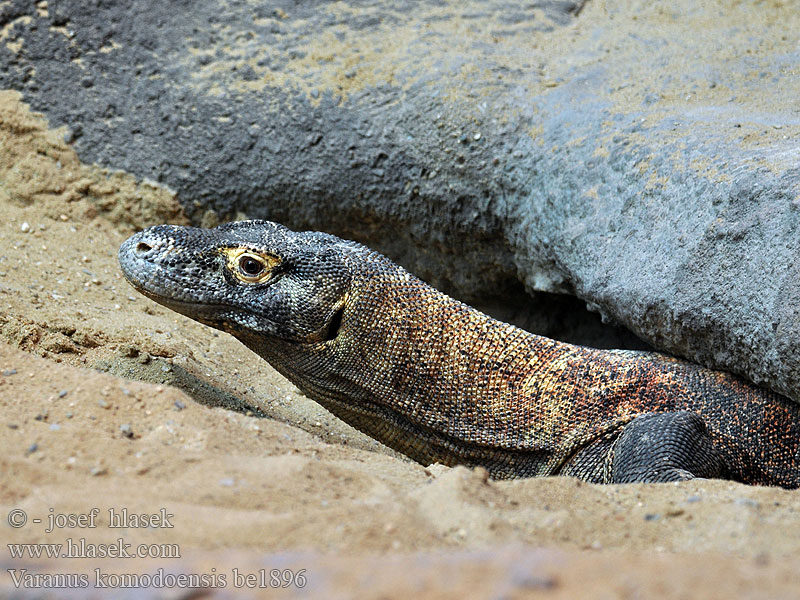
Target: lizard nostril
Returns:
[[141, 248]]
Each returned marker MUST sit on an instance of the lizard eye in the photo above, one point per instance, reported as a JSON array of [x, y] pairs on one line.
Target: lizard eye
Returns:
[[251, 267]]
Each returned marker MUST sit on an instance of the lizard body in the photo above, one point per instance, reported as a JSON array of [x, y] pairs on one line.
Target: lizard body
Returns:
[[441, 382]]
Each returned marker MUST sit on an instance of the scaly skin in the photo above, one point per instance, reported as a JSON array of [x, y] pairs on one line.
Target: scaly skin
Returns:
[[439, 381]]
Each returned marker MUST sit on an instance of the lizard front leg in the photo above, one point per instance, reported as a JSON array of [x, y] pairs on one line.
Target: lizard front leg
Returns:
[[659, 447], [652, 447]]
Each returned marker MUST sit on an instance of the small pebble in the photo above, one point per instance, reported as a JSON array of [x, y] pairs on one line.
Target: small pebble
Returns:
[[13, 426], [33, 448], [178, 405], [55, 427], [103, 404], [25, 227], [126, 430], [62, 393], [9, 372], [226, 482], [97, 471]]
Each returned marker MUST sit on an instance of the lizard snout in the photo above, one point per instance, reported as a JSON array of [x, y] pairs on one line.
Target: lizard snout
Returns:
[[150, 244], [140, 254]]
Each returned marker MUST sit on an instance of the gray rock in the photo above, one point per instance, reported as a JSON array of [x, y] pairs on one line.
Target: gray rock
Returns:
[[641, 158]]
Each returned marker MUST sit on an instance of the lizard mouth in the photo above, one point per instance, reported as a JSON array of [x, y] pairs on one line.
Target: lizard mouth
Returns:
[[139, 271], [206, 313], [213, 314]]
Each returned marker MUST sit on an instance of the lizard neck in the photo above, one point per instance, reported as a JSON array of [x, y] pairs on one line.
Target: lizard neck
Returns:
[[412, 366]]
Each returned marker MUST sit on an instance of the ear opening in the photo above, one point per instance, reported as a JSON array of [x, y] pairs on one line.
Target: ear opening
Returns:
[[334, 324]]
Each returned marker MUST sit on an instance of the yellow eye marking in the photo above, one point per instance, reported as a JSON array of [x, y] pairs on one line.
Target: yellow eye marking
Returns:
[[249, 266]]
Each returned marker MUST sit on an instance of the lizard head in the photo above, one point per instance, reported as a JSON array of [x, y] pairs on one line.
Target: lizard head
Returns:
[[250, 278]]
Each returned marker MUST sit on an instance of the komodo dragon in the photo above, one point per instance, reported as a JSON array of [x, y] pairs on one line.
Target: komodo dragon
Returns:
[[440, 381]]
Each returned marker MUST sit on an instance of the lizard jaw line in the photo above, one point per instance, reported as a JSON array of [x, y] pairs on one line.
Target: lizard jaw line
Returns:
[[197, 311]]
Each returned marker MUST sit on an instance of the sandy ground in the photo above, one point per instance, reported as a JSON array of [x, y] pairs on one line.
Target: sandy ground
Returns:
[[108, 401]]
